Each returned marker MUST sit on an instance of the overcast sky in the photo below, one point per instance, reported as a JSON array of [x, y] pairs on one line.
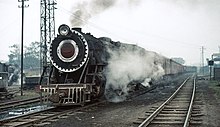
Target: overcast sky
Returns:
[[173, 28]]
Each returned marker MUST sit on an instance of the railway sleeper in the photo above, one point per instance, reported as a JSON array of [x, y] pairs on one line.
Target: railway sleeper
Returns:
[[170, 118], [175, 107], [169, 111], [15, 124], [63, 117], [167, 122], [183, 105], [27, 120], [181, 101], [173, 112], [171, 115], [197, 114], [165, 109], [195, 119], [41, 117], [41, 124], [53, 120], [195, 122]]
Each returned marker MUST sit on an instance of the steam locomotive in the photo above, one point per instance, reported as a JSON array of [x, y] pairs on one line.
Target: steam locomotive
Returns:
[[79, 60]]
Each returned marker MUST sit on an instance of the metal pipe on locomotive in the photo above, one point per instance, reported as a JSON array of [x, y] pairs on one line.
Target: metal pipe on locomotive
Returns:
[[77, 64]]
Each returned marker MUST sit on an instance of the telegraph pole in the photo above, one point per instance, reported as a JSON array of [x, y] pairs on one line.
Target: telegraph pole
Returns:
[[219, 49], [203, 60], [22, 39]]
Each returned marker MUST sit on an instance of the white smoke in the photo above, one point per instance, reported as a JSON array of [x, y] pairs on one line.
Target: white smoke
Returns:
[[85, 9], [129, 64], [146, 82]]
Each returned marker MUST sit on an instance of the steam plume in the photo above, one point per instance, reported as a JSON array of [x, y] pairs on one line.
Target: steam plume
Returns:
[[84, 10], [130, 64]]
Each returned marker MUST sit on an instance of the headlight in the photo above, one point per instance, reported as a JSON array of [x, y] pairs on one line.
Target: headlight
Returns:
[[64, 30], [67, 50]]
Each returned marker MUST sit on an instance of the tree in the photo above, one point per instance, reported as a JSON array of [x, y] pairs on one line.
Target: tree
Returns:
[[31, 57], [33, 50], [14, 56]]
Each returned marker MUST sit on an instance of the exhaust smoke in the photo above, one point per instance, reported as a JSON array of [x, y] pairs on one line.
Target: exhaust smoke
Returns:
[[130, 65], [84, 10]]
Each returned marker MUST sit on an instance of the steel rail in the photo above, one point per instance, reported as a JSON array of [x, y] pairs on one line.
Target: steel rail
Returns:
[[12, 104], [51, 113], [5, 120], [157, 111], [187, 120]]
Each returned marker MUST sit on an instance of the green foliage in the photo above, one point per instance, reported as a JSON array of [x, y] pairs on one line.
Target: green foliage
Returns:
[[14, 56], [33, 50], [31, 58]]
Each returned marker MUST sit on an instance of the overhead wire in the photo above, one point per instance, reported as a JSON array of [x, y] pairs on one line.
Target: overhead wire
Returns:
[[92, 24], [168, 40]]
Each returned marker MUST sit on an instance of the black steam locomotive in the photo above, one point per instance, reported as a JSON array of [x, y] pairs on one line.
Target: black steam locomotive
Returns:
[[76, 74], [78, 64]]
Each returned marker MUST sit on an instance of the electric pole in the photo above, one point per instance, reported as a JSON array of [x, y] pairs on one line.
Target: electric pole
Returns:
[[22, 39], [219, 49], [202, 59]]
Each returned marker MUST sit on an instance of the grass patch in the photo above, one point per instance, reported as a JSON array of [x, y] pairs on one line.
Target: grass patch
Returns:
[[215, 85]]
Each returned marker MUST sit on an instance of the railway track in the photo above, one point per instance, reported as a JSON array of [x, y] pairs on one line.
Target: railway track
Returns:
[[51, 114], [11, 104], [46, 116], [176, 111], [43, 117]]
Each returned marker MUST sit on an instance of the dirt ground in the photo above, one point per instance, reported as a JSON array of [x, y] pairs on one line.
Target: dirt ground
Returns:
[[121, 114], [209, 93]]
